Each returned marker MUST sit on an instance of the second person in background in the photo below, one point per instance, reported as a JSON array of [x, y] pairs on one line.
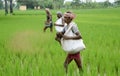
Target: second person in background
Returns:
[[59, 25]]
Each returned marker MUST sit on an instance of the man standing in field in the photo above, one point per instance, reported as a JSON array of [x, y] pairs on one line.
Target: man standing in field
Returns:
[[68, 17], [48, 22]]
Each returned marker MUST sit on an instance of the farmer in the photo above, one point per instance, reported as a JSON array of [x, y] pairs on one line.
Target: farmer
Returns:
[[59, 14], [48, 22], [68, 17], [59, 25]]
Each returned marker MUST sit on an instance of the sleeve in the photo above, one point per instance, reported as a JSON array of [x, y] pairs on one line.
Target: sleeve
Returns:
[[75, 28]]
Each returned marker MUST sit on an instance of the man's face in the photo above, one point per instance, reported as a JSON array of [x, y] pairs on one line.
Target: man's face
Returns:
[[67, 19], [58, 15]]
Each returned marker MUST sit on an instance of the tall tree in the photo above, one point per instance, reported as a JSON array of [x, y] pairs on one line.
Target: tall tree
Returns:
[[1, 4], [11, 7], [76, 3], [57, 4], [6, 7]]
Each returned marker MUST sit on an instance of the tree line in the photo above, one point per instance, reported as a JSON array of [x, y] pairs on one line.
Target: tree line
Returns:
[[52, 4], [57, 4], [89, 4]]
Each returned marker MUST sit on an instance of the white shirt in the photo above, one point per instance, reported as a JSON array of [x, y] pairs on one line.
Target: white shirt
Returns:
[[59, 22]]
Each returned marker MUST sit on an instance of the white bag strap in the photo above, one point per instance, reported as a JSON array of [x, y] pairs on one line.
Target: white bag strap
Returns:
[[66, 32], [68, 29]]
